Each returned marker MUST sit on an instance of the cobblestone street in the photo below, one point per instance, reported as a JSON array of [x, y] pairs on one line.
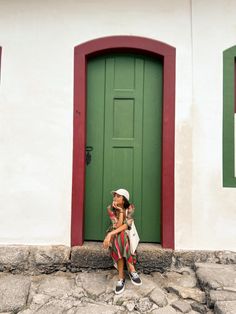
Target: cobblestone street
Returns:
[[210, 288]]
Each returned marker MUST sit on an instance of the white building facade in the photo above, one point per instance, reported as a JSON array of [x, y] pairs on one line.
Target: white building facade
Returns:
[[37, 40]]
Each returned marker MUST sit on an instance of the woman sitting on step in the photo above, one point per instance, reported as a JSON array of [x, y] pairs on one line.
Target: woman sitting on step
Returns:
[[117, 239]]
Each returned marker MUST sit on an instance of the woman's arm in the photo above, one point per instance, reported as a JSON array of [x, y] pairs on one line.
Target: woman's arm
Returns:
[[107, 239], [118, 230], [112, 216], [120, 220]]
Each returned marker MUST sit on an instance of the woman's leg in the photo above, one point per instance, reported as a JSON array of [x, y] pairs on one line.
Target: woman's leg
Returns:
[[120, 265], [135, 279], [130, 267]]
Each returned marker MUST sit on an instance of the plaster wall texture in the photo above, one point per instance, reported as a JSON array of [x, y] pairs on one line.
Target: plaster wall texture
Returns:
[[213, 207], [36, 101]]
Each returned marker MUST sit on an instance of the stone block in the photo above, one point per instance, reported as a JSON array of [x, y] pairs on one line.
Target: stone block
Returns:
[[188, 293], [99, 308], [14, 290], [48, 259], [130, 305], [159, 297], [226, 257], [216, 276], [199, 308], [225, 307], [87, 282], [147, 286], [182, 306], [56, 285], [189, 258], [151, 257], [185, 279], [90, 255], [130, 294], [159, 278], [143, 305], [14, 258], [164, 310], [219, 295]]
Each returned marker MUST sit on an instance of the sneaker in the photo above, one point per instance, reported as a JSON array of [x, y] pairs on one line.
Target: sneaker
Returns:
[[120, 286], [135, 279]]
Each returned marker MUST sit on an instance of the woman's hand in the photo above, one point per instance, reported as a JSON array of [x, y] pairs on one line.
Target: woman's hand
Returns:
[[106, 241], [114, 204]]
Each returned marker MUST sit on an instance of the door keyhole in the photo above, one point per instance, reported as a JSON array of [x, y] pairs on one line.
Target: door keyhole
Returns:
[[88, 154]]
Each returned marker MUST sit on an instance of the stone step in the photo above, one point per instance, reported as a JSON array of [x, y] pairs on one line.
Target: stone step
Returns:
[[151, 257]]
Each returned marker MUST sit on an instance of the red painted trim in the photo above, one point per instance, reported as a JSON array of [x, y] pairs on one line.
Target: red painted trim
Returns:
[[132, 44], [168, 154], [78, 184], [0, 61]]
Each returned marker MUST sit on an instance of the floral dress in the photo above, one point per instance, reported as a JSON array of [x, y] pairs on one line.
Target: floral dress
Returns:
[[120, 245]]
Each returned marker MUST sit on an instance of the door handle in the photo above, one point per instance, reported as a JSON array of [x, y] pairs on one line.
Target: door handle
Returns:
[[88, 149]]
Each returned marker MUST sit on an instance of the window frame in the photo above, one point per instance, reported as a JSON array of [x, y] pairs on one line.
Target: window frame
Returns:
[[229, 110]]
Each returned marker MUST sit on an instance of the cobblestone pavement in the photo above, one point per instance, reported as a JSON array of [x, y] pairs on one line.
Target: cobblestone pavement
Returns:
[[210, 288]]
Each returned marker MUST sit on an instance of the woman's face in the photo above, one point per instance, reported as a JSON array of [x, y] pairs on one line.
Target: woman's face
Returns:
[[118, 199]]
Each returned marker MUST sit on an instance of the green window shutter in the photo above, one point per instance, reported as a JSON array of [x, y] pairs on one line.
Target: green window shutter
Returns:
[[229, 57]]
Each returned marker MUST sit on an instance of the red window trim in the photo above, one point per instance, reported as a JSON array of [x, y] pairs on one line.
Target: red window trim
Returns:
[[114, 44]]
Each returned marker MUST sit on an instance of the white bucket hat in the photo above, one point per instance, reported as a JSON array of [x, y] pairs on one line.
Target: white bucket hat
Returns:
[[122, 192]]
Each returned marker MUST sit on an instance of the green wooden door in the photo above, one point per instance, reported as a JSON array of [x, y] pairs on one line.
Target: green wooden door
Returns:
[[124, 123]]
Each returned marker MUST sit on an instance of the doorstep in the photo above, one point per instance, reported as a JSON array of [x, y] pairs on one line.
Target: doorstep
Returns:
[[46, 259], [151, 257]]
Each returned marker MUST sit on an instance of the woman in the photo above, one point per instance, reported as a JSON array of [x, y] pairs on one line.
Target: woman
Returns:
[[121, 213]]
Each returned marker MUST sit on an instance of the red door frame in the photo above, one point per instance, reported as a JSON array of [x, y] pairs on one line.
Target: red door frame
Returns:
[[131, 44], [0, 61]]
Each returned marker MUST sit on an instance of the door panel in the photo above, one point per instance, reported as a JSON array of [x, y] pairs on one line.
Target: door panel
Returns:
[[124, 121], [152, 143], [95, 137]]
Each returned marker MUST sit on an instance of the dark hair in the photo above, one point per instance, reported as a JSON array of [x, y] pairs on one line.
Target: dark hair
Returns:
[[126, 202]]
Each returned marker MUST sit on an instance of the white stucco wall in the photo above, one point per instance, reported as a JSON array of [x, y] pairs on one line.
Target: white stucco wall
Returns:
[[214, 207], [36, 103]]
